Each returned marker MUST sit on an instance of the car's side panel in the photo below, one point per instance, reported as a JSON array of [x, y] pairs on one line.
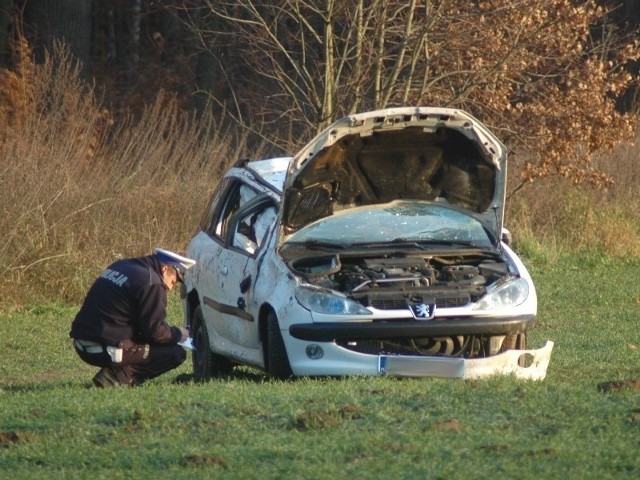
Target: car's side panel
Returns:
[[238, 325], [227, 253], [205, 251]]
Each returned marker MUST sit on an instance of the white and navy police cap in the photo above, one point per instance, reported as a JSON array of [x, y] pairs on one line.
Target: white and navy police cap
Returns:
[[180, 263]]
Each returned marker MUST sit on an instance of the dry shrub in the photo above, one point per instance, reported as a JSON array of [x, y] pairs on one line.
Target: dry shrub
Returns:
[[78, 190], [15, 94], [622, 165], [556, 217]]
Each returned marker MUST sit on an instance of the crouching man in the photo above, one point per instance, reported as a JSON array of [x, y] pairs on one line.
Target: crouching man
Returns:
[[121, 325]]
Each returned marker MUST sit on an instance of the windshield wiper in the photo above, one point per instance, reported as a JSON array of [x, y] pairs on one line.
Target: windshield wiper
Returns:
[[396, 242], [421, 244], [460, 243], [317, 244]]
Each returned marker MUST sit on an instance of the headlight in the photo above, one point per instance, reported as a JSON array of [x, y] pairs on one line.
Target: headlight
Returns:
[[509, 294], [328, 302]]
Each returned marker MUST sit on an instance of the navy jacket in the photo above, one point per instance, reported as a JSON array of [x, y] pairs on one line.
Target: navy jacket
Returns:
[[127, 301]]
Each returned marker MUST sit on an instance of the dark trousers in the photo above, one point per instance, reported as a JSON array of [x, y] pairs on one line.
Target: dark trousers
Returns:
[[136, 367]]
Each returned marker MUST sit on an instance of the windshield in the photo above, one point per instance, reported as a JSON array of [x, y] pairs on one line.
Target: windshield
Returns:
[[396, 222]]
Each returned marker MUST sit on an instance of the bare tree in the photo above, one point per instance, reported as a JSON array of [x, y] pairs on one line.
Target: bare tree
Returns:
[[531, 68], [311, 61], [6, 7]]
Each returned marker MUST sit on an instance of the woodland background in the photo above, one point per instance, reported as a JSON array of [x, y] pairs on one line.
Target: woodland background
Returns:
[[117, 117]]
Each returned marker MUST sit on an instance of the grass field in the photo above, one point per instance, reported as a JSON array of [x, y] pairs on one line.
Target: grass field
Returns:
[[53, 425]]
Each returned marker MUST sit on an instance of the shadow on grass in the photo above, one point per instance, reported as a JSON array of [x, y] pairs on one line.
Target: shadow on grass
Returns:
[[240, 373], [244, 373], [617, 385], [249, 375], [44, 386]]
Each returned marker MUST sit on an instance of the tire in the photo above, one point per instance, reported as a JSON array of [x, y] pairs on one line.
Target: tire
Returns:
[[206, 364], [516, 341], [277, 362]]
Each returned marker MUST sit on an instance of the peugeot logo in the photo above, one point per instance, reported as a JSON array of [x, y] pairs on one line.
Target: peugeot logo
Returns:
[[423, 311]]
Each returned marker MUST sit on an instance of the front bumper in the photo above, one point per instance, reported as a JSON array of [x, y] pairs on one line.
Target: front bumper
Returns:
[[524, 364], [338, 361], [328, 331]]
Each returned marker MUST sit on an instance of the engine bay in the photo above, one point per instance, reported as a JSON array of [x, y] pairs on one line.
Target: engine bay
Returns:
[[403, 280], [393, 281]]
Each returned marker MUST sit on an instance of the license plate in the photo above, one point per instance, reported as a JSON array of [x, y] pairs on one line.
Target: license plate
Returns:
[[405, 366]]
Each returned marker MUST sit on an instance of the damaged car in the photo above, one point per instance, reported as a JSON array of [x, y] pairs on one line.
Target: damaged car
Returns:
[[378, 249]]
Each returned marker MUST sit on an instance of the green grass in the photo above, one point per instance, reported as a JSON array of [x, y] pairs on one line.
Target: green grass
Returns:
[[53, 425]]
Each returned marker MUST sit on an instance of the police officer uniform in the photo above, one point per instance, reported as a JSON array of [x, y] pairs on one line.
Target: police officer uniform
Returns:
[[122, 326]]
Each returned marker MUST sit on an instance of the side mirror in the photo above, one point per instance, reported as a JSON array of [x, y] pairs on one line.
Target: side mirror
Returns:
[[303, 206]]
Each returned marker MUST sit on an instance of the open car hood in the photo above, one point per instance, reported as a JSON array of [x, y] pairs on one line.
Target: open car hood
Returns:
[[419, 153]]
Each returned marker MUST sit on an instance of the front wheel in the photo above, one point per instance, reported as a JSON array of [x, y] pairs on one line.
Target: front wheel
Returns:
[[516, 341], [276, 358], [206, 364]]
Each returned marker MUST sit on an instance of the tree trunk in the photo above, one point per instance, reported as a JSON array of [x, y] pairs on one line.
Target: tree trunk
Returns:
[[66, 20], [210, 79], [627, 17], [5, 18]]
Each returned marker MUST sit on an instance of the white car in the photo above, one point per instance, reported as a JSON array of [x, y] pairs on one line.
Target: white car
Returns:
[[378, 249]]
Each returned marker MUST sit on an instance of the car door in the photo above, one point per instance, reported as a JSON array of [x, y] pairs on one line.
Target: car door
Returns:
[[207, 247], [249, 230], [235, 229]]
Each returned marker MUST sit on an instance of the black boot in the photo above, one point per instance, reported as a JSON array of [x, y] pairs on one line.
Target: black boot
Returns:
[[107, 377]]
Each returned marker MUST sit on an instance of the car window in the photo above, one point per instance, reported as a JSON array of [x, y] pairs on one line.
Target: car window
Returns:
[[252, 227], [207, 222], [236, 196], [239, 197]]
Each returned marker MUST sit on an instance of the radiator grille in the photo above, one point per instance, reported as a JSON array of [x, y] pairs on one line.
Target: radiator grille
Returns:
[[448, 301]]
